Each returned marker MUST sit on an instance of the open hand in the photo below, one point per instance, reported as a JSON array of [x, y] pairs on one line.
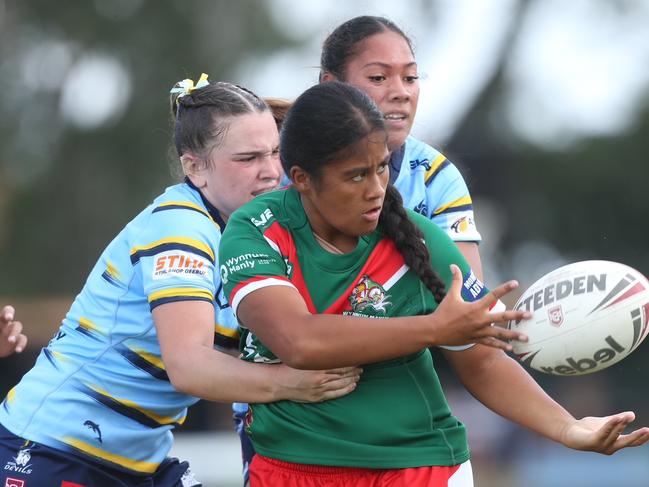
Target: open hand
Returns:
[[604, 435], [316, 385], [462, 323]]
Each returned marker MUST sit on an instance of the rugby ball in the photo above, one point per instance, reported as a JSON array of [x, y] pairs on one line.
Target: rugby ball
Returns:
[[586, 316]]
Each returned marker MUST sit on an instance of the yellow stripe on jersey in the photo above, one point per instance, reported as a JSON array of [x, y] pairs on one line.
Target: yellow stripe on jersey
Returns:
[[181, 291], [185, 204], [433, 166], [149, 357], [88, 325], [136, 465], [59, 356], [112, 270], [133, 405], [11, 395], [175, 240], [465, 200], [228, 332]]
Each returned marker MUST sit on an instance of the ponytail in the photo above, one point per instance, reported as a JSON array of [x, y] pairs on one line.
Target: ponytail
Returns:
[[409, 242]]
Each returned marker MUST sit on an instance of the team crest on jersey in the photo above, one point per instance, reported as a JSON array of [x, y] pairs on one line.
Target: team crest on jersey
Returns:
[[368, 294], [20, 462], [462, 224]]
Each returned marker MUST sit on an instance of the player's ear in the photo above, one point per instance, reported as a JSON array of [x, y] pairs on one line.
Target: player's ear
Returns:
[[301, 179], [194, 168], [326, 76]]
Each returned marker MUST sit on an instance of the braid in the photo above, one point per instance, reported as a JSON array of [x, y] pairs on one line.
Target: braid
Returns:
[[409, 241]]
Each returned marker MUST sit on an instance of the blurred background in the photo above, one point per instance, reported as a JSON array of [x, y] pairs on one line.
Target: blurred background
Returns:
[[542, 104]]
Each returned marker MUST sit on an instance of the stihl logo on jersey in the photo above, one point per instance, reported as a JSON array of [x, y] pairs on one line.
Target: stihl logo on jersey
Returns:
[[178, 263], [368, 294], [263, 218], [11, 482]]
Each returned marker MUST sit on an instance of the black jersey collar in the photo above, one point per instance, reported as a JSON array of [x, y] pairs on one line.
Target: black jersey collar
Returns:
[[396, 159], [211, 209]]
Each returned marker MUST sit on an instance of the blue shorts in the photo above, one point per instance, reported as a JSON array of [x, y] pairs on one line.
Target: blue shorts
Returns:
[[24, 463]]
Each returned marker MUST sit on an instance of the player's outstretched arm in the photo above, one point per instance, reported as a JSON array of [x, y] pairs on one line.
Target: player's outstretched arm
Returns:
[[505, 387], [186, 333], [279, 316], [12, 339]]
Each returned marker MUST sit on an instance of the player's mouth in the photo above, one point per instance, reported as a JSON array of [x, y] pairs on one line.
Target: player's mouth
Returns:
[[396, 119], [372, 215]]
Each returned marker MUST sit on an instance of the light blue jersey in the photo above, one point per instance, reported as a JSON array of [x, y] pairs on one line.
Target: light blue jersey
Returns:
[[100, 387], [432, 186]]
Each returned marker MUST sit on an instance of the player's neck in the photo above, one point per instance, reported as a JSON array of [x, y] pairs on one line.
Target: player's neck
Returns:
[[329, 247]]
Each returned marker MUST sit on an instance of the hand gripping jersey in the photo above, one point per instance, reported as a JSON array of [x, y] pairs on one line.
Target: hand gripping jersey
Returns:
[[100, 388], [432, 186], [397, 416]]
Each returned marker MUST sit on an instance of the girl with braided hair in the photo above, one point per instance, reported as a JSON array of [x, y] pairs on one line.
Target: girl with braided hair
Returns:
[[136, 348], [333, 271]]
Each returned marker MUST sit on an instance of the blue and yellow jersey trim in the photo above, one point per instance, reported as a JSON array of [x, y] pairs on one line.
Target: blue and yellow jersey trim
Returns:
[[53, 357], [439, 163], [181, 205], [11, 395], [89, 328], [135, 465], [460, 204], [172, 243], [130, 409], [150, 363], [111, 274], [179, 294], [225, 337]]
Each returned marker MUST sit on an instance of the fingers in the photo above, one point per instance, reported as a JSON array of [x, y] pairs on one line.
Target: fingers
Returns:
[[21, 343], [611, 439], [336, 393], [500, 291], [7, 314], [456, 282], [495, 343], [637, 438], [339, 388], [343, 372], [610, 432], [16, 337]]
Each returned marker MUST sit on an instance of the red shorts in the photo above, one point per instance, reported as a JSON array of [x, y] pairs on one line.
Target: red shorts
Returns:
[[268, 472]]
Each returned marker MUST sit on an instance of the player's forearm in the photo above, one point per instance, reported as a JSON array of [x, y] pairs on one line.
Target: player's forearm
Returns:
[[216, 376], [505, 387], [317, 343]]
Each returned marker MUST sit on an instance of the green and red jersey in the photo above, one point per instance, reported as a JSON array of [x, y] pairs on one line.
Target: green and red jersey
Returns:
[[398, 416]]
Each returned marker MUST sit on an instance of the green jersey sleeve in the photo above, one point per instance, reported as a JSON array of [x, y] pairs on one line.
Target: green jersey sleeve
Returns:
[[444, 252]]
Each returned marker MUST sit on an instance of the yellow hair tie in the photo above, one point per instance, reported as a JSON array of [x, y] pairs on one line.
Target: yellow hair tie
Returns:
[[187, 86]]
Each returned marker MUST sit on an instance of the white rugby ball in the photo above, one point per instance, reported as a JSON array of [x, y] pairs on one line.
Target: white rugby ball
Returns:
[[586, 316]]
